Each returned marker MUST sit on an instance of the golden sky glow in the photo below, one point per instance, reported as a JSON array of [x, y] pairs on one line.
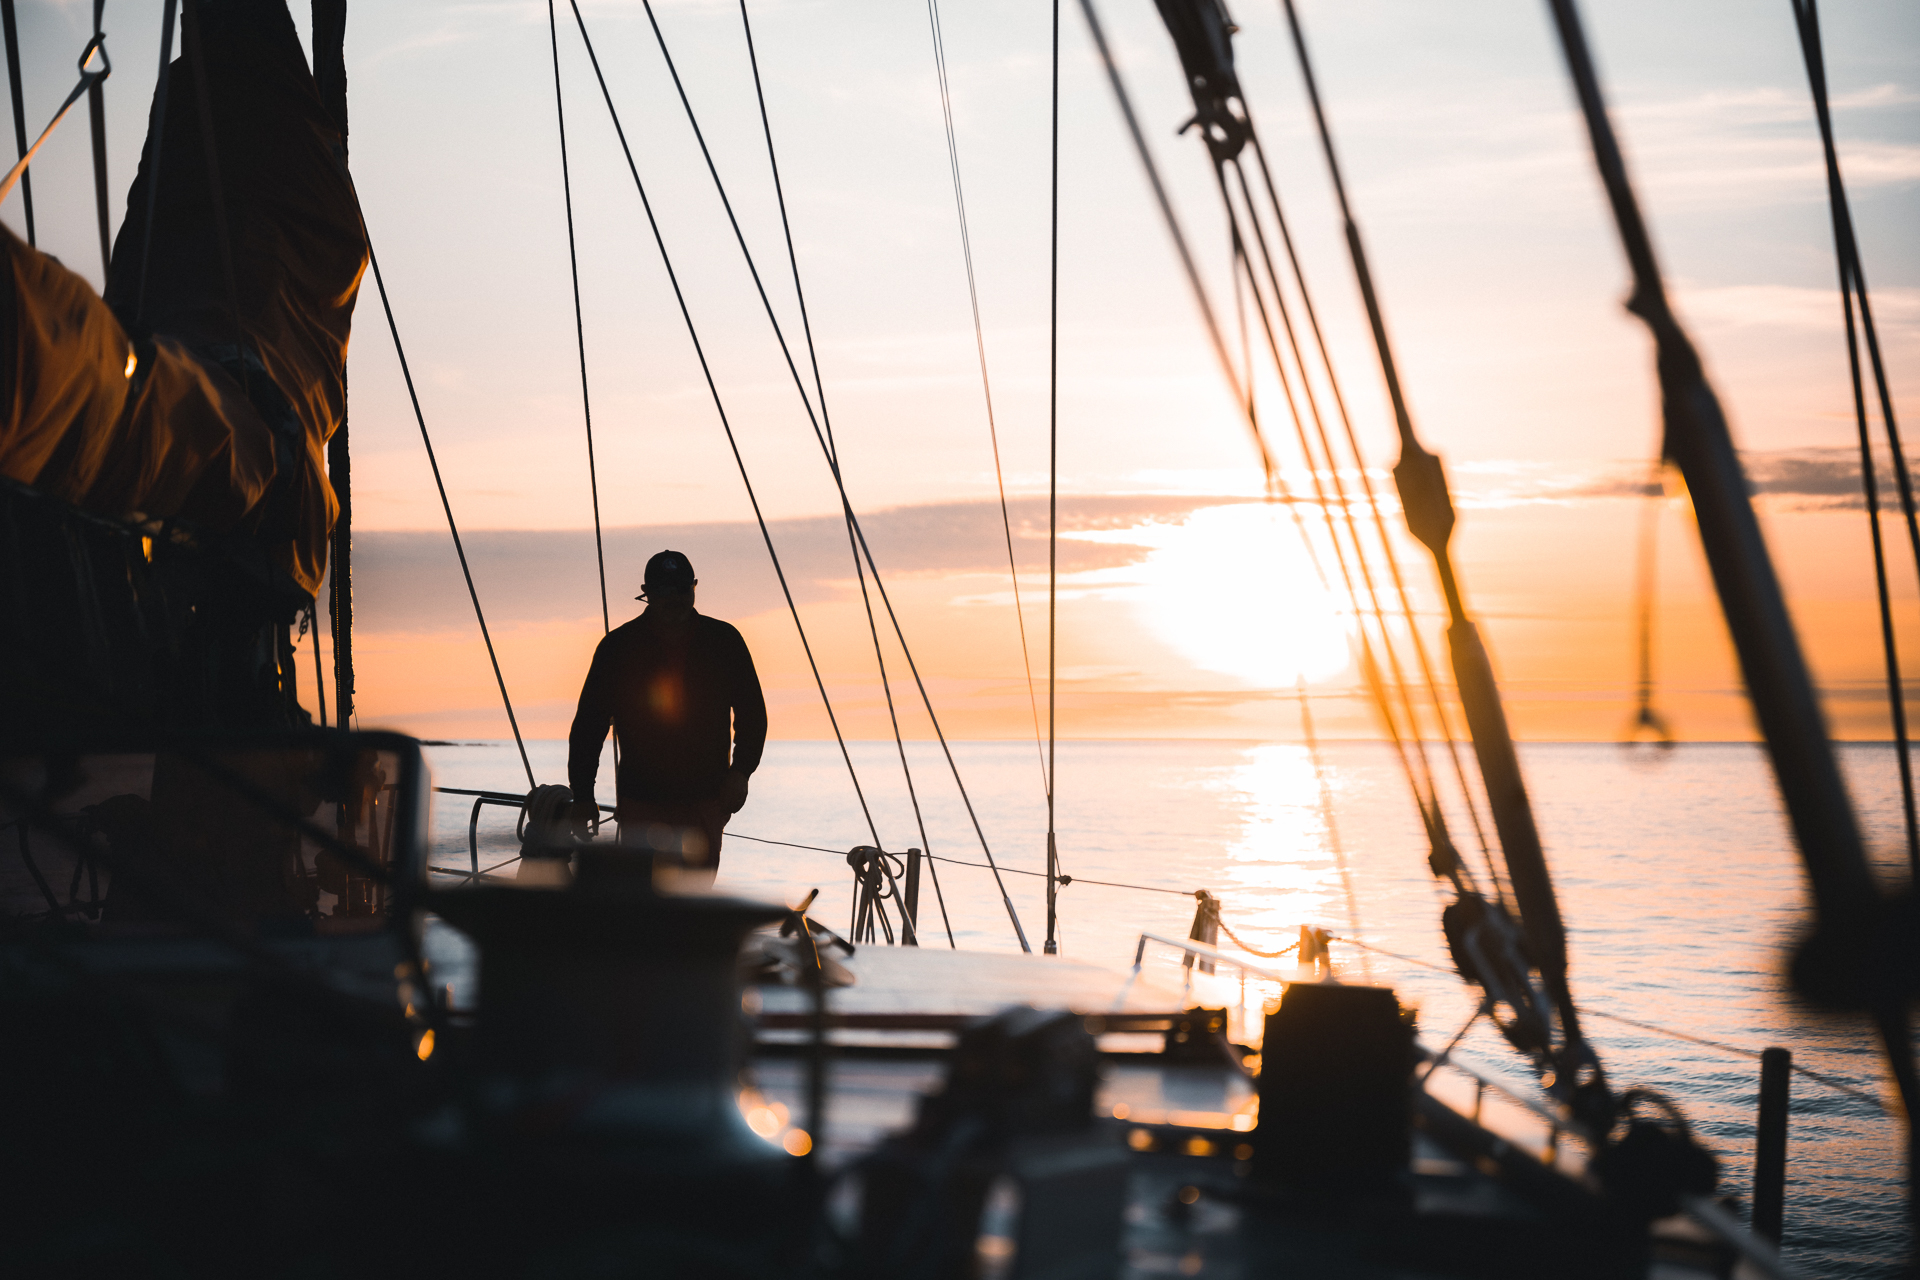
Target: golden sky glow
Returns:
[[1185, 609]]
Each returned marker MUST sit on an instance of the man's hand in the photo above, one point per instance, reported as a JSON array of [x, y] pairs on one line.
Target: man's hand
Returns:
[[585, 816], [735, 791]]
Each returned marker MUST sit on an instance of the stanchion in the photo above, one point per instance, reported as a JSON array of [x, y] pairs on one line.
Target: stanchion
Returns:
[[1770, 1144]]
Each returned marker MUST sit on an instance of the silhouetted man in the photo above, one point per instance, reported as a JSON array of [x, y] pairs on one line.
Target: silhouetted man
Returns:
[[681, 693]]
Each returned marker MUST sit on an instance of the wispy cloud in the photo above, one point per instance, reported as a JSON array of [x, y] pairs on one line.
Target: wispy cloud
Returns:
[[1790, 307], [410, 581], [1790, 479]]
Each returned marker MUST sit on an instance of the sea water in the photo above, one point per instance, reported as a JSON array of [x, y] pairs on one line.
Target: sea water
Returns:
[[1680, 887]]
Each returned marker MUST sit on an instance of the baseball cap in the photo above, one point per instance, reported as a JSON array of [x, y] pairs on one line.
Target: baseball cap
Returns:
[[667, 571]]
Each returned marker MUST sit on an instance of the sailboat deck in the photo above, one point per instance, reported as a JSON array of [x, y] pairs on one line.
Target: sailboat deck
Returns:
[[918, 997]]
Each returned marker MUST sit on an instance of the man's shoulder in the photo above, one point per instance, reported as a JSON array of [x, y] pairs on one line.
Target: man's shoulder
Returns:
[[624, 636], [717, 631]]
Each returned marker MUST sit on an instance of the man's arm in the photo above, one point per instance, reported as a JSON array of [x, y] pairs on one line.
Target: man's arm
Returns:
[[590, 721], [749, 722], [749, 712]]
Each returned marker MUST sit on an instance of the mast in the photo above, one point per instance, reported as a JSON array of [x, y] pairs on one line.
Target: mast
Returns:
[[1053, 492], [330, 75]]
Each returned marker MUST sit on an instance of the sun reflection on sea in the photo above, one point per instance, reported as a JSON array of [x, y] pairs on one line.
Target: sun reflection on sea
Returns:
[[1279, 872], [1281, 868], [1234, 590]]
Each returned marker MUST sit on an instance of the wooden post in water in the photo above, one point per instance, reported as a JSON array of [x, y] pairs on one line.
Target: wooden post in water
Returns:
[[1770, 1145]]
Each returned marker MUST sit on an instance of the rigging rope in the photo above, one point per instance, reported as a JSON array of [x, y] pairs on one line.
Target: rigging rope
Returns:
[[1391, 556], [1428, 798], [319, 673], [1251, 950], [1333, 827], [1179, 235], [713, 390], [579, 320], [1431, 814], [1276, 486], [832, 461], [826, 421], [88, 79], [1645, 589], [1053, 491], [1853, 290], [980, 346], [97, 117], [12, 27], [157, 133], [961, 862], [1589, 1011], [419, 417]]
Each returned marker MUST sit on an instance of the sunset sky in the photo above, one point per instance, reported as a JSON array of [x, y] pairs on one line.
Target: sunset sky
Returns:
[[1187, 608]]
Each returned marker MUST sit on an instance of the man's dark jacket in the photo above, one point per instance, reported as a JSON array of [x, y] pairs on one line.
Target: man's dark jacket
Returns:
[[679, 702]]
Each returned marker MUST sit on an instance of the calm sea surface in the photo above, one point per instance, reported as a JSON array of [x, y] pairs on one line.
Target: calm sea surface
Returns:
[[1678, 881]]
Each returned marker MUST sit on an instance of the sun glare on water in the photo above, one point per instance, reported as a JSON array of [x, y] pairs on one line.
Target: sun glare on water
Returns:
[[1233, 590]]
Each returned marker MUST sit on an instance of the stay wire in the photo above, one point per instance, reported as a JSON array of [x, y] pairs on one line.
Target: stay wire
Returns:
[[832, 462], [1853, 291], [1421, 782], [1434, 814], [1177, 233], [1275, 484], [1053, 480], [981, 866], [406, 373], [1326, 503], [1403, 420], [713, 390], [1425, 800], [319, 672], [1333, 826], [826, 421], [97, 119], [986, 383], [1838, 1086], [1276, 488], [579, 318], [9, 20], [1374, 506]]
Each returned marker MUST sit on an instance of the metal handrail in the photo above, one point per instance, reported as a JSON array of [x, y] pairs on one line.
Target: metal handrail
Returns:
[[1204, 952], [503, 799]]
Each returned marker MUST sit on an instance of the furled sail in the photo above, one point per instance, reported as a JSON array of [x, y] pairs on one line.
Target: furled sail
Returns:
[[206, 384]]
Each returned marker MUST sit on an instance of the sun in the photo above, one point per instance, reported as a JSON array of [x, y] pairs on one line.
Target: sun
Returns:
[[1234, 591]]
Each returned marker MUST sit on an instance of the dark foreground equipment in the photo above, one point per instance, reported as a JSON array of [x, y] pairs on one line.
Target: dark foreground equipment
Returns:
[[1014, 1122]]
